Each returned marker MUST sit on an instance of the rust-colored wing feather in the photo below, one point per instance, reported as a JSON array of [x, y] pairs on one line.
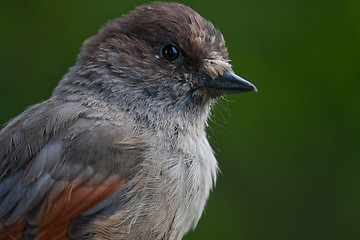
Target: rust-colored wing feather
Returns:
[[56, 213]]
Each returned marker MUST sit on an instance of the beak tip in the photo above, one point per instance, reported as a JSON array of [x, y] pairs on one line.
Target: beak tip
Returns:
[[254, 88], [237, 83]]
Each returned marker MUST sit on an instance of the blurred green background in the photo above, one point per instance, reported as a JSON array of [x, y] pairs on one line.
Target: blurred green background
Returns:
[[289, 154]]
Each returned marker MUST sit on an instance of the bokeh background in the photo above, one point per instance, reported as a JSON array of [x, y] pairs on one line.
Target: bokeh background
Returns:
[[289, 154]]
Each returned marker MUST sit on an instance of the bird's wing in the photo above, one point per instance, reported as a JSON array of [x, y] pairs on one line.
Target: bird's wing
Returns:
[[57, 163]]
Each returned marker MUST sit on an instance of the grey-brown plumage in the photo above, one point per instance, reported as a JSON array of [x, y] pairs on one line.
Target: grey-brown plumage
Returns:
[[119, 151]]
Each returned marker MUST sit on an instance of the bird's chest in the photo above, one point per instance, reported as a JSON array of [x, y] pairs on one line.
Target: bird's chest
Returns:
[[182, 172], [166, 195]]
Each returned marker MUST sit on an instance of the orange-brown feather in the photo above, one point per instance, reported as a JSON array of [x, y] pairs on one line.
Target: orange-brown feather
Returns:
[[61, 207], [55, 216], [14, 231]]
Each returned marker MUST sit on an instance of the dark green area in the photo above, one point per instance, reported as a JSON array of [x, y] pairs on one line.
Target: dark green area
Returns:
[[289, 154]]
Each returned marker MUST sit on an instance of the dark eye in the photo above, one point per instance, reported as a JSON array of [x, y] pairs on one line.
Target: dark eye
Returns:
[[170, 52]]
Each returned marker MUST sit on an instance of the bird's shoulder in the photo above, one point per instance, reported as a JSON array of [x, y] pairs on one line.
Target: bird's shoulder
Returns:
[[70, 131]]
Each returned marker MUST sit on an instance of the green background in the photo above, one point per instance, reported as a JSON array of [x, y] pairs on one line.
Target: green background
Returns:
[[289, 154]]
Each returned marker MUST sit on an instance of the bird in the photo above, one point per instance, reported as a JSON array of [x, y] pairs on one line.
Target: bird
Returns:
[[120, 150]]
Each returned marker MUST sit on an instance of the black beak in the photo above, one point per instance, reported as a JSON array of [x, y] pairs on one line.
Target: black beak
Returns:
[[229, 82]]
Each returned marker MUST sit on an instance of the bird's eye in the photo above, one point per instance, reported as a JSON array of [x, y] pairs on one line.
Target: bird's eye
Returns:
[[170, 53]]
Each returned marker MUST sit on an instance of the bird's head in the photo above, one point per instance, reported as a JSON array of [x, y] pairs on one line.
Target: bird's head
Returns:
[[162, 55]]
